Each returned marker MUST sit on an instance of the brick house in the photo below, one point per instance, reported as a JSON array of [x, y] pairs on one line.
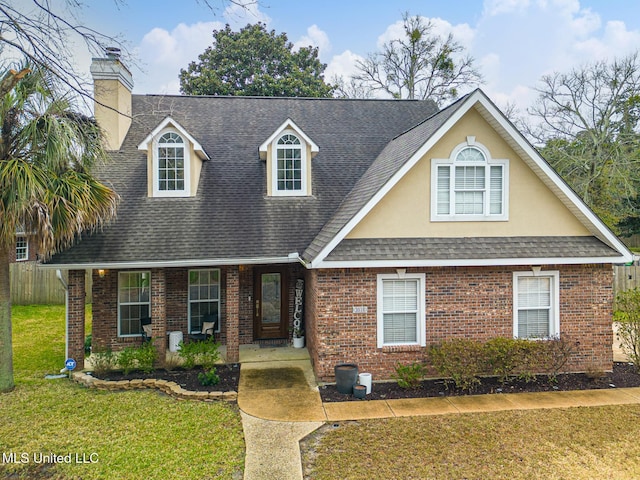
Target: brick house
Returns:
[[24, 251], [407, 225]]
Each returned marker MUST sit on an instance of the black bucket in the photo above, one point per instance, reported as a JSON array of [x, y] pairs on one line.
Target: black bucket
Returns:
[[346, 377]]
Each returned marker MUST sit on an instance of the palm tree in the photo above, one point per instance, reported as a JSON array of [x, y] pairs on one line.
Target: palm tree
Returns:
[[46, 190]]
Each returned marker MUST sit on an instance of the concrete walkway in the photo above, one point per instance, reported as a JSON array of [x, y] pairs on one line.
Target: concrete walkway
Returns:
[[280, 404]]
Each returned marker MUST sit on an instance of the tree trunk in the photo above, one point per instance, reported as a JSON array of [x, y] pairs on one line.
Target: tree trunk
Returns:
[[6, 350]]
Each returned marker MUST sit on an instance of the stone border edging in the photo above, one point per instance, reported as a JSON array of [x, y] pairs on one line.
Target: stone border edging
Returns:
[[170, 388]]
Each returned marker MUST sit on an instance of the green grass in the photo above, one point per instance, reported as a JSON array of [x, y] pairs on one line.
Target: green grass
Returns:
[[576, 443], [132, 435]]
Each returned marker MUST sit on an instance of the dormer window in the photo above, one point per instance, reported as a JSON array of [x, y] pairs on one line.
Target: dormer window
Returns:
[[288, 153], [171, 163], [289, 168], [469, 186], [174, 161]]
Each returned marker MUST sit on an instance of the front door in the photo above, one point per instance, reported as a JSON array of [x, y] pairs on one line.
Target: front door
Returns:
[[271, 306]]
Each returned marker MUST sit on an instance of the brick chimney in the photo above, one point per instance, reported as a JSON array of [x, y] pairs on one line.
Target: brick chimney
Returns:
[[112, 85]]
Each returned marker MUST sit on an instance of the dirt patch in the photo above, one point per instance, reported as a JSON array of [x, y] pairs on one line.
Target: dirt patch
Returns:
[[623, 375], [273, 378]]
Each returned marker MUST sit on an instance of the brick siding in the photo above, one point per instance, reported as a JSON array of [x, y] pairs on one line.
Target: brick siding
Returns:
[[474, 302], [176, 305]]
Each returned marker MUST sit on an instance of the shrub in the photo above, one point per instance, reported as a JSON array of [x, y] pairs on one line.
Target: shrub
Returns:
[[103, 361], [204, 353], [628, 317], [142, 358], [127, 359], [409, 376], [209, 377], [87, 344], [146, 356], [503, 356], [554, 355], [460, 360]]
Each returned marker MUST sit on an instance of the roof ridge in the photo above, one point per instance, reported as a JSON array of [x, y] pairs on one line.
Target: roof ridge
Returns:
[[448, 107]]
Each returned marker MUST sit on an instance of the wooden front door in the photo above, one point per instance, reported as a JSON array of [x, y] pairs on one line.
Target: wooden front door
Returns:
[[271, 305]]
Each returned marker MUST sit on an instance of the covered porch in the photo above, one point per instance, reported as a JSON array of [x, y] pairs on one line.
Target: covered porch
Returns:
[[254, 306]]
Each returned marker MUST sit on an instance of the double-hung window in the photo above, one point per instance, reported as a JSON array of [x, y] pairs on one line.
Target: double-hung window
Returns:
[[536, 304], [204, 298], [134, 301], [401, 315], [22, 248], [469, 186]]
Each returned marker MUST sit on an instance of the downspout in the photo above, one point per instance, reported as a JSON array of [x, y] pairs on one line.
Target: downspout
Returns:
[[66, 316]]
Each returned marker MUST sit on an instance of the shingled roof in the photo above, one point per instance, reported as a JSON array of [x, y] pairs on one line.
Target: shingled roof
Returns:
[[364, 147], [231, 218]]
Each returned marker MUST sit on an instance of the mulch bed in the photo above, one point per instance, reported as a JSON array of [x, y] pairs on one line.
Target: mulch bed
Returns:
[[188, 379], [623, 375]]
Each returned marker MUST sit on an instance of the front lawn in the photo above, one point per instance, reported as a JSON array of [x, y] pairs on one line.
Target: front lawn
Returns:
[[576, 443], [133, 434]]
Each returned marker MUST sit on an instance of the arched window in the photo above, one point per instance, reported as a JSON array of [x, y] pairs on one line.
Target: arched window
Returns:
[[469, 185], [171, 162], [289, 167]]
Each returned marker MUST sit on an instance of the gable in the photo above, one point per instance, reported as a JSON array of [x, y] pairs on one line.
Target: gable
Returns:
[[533, 209]]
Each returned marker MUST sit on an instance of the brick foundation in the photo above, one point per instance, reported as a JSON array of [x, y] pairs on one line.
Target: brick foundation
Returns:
[[474, 302]]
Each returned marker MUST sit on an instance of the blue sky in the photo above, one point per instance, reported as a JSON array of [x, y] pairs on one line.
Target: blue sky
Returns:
[[514, 42]]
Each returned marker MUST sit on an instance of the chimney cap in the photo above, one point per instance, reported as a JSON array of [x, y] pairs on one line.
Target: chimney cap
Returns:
[[112, 52]]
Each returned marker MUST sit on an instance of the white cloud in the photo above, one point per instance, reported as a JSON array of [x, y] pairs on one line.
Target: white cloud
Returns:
[[342, 65], [498, 7], [164, 53], [540, 37], [462, 33], [315, 38]]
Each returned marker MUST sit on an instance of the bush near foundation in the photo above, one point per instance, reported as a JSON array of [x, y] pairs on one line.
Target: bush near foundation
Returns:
[[462, 362], [627, 315]]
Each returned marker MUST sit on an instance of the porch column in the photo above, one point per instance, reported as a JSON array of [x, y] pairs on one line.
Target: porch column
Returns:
[[233, 314], [76, 318], [159, 312]]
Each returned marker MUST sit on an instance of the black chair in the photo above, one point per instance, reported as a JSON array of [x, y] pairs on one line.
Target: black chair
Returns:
[[208, 329], [145, 329]]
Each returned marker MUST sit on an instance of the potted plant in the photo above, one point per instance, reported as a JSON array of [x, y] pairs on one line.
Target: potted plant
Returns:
[[298, 337]]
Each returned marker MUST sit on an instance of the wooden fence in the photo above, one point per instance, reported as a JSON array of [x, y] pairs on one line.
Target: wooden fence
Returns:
[[31, 285], [625, 278]]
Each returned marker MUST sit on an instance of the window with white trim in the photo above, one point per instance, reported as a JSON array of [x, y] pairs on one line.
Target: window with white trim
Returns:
[[469, 186], [134, 302], [401, 314], [171, 162], [22, 248], [204, 298], [536, 304], [290, 166]]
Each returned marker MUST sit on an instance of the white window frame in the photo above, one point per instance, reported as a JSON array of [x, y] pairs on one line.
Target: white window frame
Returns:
[[274, 165], [186, 191], [451, 163], [421, 315], [208, 300], [120, 303], [22, 252], [554, 313]]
